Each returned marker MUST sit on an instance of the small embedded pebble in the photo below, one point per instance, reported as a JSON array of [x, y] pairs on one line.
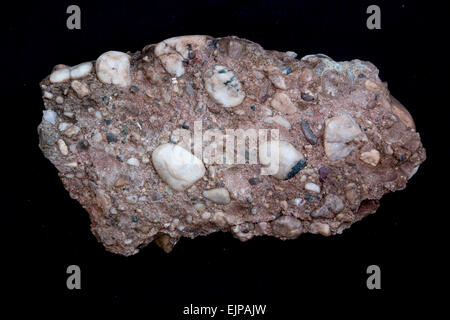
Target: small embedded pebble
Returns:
[[306, 96], [80, 88], [218, 195], [156, 195], [63, 147], [133, 162], [323, 173], [134, 89], [83, 145], [309, 197], [72, 131], [371, 157], [312, 187], [50, 116], [309, 134], [111, 137]]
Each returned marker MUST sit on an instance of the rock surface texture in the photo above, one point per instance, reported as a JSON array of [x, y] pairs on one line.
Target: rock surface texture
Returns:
[[109, 128]]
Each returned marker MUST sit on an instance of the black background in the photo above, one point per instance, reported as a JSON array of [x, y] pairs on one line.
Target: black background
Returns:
[[45, 231]]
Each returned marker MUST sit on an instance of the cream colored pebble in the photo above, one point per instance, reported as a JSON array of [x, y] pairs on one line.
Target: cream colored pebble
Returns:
[[71, 131], [283, 103], [113, 67], [321, 228], [133, 162], [278, 81], [339, 132], [60, 75], [63, 147], [371, 157], [312, 187], [287, 226], [81, 70], [223, 86], [217, 195], [173, 51], [177, 167], [288, 157], [80, 88]]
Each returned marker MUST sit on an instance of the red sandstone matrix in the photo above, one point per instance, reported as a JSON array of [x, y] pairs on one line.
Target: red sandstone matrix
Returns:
[[172, 141]]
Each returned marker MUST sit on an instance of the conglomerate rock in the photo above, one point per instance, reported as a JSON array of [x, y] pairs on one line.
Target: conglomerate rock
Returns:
[[122, 132]]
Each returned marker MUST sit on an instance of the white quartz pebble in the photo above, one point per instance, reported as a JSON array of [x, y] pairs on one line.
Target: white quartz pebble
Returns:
[[340, 131], [176, 166], [173, 51], [113, 67], [371, 157], [223, 86], [288, 158], [133, 162], [81, 70], [217, 195], [63, 126], [50, 116], [63, 147], [283, 103], [312, 187], [60, 75]]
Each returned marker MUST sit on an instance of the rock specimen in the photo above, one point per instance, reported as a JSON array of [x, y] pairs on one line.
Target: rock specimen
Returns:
[[123, 133]]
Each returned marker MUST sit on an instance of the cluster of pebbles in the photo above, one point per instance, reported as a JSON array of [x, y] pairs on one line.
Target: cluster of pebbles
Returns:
[[112, 129]]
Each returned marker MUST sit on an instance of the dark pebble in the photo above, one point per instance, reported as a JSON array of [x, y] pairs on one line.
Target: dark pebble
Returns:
[[120, 157], [134, 89], [252, 107], [323, 173], [156, 196], [105, 99], [184, 126], [306, 96], [83, 145], [361, 75], [107, 122], [110, 137], [296, 169], [309, 135], [309, 197], [253, 181], [134, 219]]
